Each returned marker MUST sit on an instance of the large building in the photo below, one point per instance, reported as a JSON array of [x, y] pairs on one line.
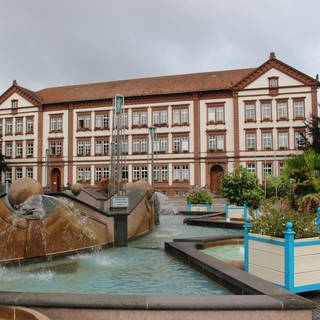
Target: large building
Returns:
[[205, 122]]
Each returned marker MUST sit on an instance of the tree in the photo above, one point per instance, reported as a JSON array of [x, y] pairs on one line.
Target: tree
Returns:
[[240, 186], [3, 164], [311, 139], [275, 182], [303, 170]]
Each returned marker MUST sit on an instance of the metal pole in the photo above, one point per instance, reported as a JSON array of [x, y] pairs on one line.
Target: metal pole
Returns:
[[152, 131], [265, 173], [47, 171], [118, 152]]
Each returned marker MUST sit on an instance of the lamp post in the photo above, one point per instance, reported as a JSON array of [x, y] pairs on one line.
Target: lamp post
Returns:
[[152, 132], [118, 104], [47, 171]]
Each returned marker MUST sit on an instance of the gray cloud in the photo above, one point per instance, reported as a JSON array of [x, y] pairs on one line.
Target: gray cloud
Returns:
[[52, 43]]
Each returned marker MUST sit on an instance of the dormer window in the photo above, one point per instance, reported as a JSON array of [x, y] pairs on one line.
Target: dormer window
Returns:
[[14, 104], [273, 86], [273, 82]]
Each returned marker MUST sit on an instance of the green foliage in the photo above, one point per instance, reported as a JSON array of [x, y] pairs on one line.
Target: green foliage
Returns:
[[199, 196], [240, 186], [274, 222], [3, 164], [310, 203]]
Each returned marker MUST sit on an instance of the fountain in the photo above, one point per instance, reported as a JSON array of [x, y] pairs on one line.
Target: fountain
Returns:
[[34, 225], [53, 287]]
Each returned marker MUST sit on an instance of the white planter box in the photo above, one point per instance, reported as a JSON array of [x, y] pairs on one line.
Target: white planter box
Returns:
[[289, 263]]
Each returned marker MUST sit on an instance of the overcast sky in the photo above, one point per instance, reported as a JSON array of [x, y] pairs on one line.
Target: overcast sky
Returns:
[[61, 42]]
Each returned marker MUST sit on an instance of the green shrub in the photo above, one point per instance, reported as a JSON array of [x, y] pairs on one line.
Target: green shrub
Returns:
[[200, 196], [240, 186], [274, 222]]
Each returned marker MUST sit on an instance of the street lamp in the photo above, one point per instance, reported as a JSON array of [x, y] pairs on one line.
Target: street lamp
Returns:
[[152, 132], [118, 103], [47, 171]]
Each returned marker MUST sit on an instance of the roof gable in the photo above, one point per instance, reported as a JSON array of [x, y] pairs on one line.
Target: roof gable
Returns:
[[274, 63], [23, 92]]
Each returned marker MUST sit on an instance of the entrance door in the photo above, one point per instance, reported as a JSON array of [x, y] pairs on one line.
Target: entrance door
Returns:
[[55, 180], [216, 174]]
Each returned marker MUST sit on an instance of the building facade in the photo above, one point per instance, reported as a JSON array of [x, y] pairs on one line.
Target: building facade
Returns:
[[205, 122]]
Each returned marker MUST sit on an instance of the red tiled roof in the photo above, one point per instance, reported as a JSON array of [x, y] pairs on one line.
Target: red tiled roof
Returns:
[[205, 81]]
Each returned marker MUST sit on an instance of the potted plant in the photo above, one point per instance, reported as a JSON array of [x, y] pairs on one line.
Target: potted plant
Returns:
[[199, 199], [284, 248]]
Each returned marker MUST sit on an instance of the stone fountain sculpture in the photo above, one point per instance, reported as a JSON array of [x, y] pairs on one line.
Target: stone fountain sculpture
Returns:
[[35, 225]]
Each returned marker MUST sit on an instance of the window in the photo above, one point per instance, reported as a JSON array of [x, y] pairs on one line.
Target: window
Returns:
[[84, 147], [56, 122], [29, 124], [139, 119], [267, 170], [29, 173], [250, 111], [273, 82], [216, 114], [180, 144], [298, 109], [181, 173], [84, 121], [163, 117], [140, 145], [251, 140], [144, 173], [8, 149], [299, 138], [8, 175], [19, 125], [251, 167], [14, 104], [102, 147], [266, 113], [55, 148], [282, 110], [18, 173], [164, 173], [140, 173], [8, 126], [102, 121], [136, 173], [180, 116], [1, 128], [29, 149], [266, 140], [159, 118], [19, 149], [185, 172], [160, 145], [216, 142], [176, 173], [281, 166], [283, 139], [125, 173], [84, 174], [101, 173], [160, 173]]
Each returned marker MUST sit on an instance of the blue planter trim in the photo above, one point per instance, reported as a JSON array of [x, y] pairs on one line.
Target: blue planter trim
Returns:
[[271, 241], [307, 243], [244, 207], [207, 205]]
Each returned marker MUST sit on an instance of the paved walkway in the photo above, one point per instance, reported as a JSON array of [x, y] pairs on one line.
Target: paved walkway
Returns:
[[219, 204]]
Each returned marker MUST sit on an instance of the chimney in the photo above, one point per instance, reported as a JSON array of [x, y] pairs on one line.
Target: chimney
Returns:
[[14, 83]]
